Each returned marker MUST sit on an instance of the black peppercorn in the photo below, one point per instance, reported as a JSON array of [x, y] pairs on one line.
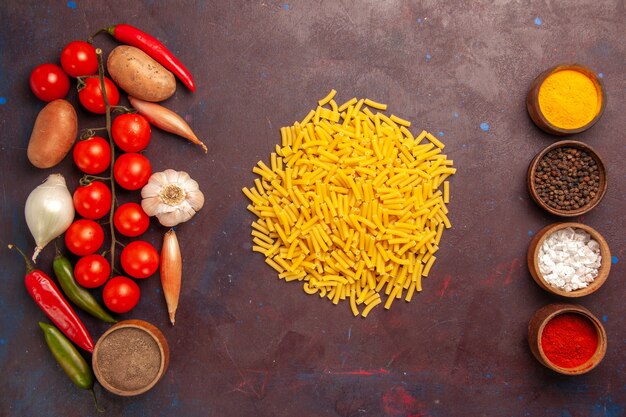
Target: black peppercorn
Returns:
[[567, 178]]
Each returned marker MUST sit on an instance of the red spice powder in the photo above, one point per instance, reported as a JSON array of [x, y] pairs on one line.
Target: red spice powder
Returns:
[[569, 340]]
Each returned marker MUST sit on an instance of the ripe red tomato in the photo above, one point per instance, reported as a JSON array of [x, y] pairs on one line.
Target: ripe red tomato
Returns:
[[92, 201], [93, 155], [121, 294], [132, 171], [131, 132], [140, 259], [130, 220], [91, 98], [79, 58], [49, 82], [84, 237], [91, 271]]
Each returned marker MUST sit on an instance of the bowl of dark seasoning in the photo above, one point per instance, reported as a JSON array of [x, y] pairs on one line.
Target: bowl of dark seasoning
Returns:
[[567, 178], [130, 358], [569, 259]]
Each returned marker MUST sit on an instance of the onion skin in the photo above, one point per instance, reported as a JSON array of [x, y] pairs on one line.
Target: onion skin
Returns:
[[171, 272], [165, 119]]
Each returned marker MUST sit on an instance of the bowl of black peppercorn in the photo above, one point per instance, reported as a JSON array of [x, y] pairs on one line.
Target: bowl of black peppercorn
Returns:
[[567, 178]]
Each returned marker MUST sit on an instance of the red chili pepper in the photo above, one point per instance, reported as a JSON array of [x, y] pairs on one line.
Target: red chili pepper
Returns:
[[132, 36], [48, 297]]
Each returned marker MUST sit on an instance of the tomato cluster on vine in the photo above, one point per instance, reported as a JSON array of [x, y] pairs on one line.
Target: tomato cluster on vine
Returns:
[[94, 199]]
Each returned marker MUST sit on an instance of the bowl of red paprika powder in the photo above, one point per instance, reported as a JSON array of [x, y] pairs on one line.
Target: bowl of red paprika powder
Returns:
[[567, 338]]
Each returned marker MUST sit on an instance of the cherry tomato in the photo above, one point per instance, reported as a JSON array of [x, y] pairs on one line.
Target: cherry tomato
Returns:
[[92, 271], [84, 237], [130, 220], [49, 82], [93, 155], [79, 58], [92, 201], [121, 294], [140, 259], [131, 132], [132, 171], [91, 98]]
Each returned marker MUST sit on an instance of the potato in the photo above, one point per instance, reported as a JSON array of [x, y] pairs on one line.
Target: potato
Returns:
[[139, 75], [53, 135]]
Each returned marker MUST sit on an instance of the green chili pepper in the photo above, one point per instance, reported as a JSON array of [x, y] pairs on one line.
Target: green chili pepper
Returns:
[[68, 357], [74, 365], [77, 294]]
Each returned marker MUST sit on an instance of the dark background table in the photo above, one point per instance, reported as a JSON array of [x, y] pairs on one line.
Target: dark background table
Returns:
[[247, 344]]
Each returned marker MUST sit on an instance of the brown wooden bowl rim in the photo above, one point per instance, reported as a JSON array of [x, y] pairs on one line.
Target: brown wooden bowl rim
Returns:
[[156, 335], [603, 271], [532, 99], [603, 173], [563, 308]]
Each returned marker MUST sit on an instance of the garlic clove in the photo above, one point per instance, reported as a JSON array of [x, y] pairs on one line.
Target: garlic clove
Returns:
[[195, 199], [170, 219], [183, 179], [150, 205], [191, 185], [151, 189], [158, 178], [171, 175]]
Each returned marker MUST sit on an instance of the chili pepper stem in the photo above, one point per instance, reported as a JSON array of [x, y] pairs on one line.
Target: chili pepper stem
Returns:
[[104, 30], [95, 401], [112, 144], [29, 265]]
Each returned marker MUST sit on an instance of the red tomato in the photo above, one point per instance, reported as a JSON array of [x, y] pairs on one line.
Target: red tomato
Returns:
[[130, 220], [93, 155], [140, 259], [132, 171], [92, 201], [79, 58], [91, 98], [121, 294], [91, 271], [84, 237], [131, 132], [49, 82]]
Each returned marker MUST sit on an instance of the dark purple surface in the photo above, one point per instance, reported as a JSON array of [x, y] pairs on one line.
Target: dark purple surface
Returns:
[[246, 344]]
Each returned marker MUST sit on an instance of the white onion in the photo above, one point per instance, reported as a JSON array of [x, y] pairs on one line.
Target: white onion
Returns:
[[49, 211]]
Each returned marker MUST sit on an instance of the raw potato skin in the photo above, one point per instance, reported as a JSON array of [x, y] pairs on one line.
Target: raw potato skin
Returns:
[[53, 135], [139, 75]]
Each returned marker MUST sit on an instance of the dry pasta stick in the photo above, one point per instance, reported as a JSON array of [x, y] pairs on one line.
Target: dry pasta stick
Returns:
[[327, 99], [350, 204]]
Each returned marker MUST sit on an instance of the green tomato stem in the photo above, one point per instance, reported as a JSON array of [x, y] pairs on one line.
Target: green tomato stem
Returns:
[[112, 144]]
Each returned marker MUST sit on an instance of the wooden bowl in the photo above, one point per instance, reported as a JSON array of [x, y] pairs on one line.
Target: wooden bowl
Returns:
[[130, 358], [543, 316], [602, 173], [532, 100], [533, 264]]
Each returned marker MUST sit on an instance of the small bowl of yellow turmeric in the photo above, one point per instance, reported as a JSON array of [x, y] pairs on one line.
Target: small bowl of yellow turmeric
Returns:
[[566, 99]]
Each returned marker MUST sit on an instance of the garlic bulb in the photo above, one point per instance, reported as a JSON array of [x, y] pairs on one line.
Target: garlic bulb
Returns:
[[49, 211], [172, 196]]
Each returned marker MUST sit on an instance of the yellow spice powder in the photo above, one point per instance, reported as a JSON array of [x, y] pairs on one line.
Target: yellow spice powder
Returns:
[[569, 99]]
